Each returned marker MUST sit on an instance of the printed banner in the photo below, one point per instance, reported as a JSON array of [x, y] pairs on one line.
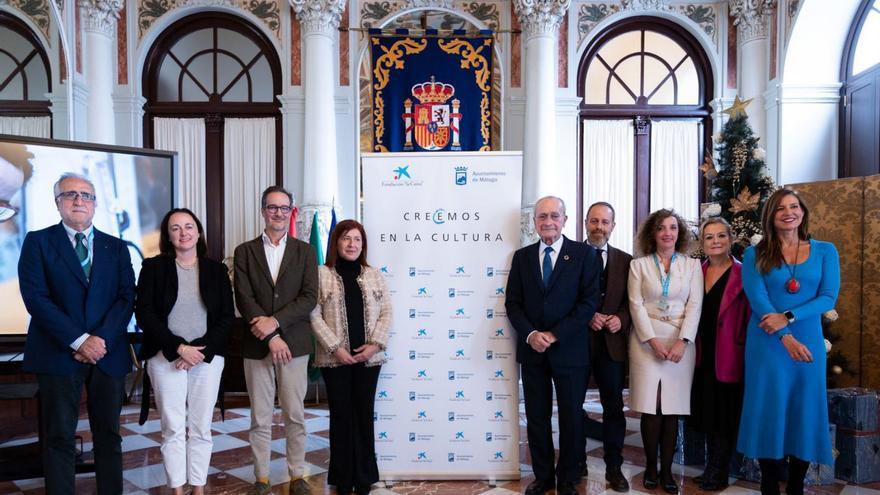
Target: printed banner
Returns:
[[442, 228], [431, 93]]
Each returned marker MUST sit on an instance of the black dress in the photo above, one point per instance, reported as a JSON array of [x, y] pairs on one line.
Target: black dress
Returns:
[[715, 405]]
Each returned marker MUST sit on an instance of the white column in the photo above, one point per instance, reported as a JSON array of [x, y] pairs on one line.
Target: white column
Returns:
[[130, 119], [752, 20], [540, 21], [99, 28], [319, 20]]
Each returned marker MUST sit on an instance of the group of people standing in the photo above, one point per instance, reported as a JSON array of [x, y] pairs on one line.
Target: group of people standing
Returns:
[[702, 340], [79, 287], [736, 348]]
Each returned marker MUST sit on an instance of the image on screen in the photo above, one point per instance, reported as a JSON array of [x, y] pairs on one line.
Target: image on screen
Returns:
[[134, 189]]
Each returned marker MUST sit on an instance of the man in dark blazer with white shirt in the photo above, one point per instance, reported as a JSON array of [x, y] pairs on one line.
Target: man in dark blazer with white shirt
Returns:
[[552, 293], [609, 330], [78, 285]]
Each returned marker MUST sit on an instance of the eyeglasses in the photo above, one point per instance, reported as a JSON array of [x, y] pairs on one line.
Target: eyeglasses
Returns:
[[75, 195], [273, 209], [7, 211]]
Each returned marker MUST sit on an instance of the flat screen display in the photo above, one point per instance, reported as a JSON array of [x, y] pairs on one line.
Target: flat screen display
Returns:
[[134, 189]]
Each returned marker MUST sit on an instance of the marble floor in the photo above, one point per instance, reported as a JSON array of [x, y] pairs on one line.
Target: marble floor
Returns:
[[232, 473]]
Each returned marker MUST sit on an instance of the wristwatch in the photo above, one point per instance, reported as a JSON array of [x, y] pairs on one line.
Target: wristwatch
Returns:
[[789, 316]]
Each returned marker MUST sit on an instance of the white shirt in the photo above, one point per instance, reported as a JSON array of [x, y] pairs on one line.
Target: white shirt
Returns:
[[90, 242], [274, 254], [553, 254]]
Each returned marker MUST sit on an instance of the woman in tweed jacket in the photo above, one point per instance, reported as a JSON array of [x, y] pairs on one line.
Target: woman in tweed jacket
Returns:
[[351, 324]]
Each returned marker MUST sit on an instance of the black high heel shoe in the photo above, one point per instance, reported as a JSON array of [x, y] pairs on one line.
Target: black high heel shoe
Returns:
[[649, 481], [668, 482]]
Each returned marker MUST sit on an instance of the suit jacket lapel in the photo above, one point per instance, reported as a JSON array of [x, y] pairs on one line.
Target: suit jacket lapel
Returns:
[[733, 288], [534, 265], [286, 258], [259, 253], [561, 261], [100, 254], [65, 249]]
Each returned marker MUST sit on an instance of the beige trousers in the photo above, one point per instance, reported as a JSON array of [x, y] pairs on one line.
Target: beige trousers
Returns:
[[260, 376]]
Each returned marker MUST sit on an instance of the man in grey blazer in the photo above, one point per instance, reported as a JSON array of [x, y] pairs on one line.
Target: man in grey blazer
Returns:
[[276, 288]]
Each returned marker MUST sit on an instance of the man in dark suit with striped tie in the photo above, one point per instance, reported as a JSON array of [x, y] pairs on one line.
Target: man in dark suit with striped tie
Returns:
[[609, 329], [78, 285], [552, 293]]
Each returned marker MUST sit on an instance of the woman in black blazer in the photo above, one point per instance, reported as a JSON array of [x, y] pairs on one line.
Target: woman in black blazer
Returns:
[[184, 308]]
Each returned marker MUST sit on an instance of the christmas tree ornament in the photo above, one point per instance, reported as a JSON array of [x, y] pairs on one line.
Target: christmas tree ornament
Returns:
[[745, 201], [708, 166]]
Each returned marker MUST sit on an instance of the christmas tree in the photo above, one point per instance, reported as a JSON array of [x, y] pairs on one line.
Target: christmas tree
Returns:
[[740, 184]]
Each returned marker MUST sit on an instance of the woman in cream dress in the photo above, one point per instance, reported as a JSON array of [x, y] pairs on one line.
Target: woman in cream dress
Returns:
[[665, 294]]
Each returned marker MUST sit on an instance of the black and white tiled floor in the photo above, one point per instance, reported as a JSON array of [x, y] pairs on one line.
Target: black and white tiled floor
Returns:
[[232, 472]]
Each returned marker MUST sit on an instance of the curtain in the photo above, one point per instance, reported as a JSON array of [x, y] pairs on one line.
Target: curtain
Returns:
[[38, 127], [187, 138], [249, 167], [675, 161], [609, 174]]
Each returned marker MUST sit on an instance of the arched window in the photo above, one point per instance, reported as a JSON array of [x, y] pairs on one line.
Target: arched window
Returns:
[[25, 77], [646, 85], [215, 66], [860, 133]]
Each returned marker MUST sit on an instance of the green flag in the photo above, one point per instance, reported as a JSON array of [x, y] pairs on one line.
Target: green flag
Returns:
[[315, 239]]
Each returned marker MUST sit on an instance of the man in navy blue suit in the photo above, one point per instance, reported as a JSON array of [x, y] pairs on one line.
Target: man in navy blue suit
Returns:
[[78, 285], [552, 293]]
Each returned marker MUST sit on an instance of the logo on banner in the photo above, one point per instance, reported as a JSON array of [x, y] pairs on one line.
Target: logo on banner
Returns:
[[460, 176], [434, 119], [401, 173], [490, 313], [489, 395]]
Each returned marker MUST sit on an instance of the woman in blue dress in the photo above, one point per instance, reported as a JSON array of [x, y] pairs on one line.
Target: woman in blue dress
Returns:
[[790, 280]]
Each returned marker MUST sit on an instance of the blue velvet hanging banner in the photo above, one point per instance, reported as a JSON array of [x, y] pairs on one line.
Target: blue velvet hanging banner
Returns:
[[431, 93]]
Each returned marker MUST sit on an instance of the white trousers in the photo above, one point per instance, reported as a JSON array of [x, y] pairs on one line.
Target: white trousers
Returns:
[[185, 400], [260, 376]]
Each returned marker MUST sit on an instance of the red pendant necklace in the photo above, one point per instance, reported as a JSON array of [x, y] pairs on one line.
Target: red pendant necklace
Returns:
[[792, 285]]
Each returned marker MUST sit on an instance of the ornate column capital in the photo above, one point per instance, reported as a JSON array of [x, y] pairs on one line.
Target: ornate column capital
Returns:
[[100, 16], [318, 16], [540, 17], [751, 18]]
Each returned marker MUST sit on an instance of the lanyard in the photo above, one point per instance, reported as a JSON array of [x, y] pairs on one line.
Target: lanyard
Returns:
[[664, 281]]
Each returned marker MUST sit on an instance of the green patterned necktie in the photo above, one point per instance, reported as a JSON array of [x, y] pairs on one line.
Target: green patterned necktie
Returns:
[[82, 253]]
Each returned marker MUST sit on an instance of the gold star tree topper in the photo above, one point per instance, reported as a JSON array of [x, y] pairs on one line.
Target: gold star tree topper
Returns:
[[738, 107], [744, 201]]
